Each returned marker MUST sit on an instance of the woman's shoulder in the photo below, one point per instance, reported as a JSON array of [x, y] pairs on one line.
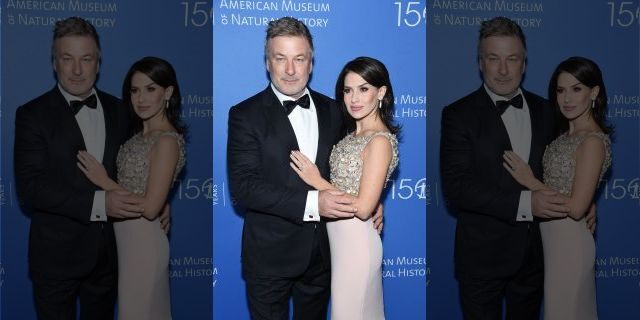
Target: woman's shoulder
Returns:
[[383, 135], [156, 134], [166, 138], [593, 142], [370, 134], [384, 144], [592, 136], [597, 145], [382, 141]]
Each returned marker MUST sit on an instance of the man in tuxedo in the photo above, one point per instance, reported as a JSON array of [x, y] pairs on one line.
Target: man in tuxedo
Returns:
[[285, 250], [72, 250], [498, 249]]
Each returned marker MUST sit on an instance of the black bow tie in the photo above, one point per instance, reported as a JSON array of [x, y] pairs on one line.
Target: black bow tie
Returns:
[[91, 102], [303, 102], [502, 105]]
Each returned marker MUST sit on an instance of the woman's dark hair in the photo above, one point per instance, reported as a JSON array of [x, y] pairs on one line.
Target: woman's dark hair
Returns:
[[162, 73], [589, 74], [375, 73]]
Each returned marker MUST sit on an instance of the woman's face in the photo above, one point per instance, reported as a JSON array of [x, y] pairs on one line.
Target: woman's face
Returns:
[[360, 97], [147, 97], [574, 98]]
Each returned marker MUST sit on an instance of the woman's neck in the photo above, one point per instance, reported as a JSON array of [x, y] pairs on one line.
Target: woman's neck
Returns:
[[583, 125], [369, 125], [152, 125]]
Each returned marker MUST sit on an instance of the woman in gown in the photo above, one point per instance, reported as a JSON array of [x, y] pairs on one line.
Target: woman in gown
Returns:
[[361, 163], [148, 163], [574, 163]]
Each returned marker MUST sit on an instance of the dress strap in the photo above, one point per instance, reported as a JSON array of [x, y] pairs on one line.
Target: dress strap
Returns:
[[174, 134], [390, 136], [601, 135]]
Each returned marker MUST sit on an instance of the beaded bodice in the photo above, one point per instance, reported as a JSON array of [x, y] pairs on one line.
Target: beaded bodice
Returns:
[[560, 164], [134, 160], [346, 161]]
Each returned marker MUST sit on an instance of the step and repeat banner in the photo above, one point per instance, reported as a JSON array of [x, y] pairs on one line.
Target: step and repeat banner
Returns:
[[392, 31], [176, 30], [606, 31]]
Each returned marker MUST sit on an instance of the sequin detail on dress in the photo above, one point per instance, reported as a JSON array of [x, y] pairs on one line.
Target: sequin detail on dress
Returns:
[[346, 162], [133, 160], [559, 162]]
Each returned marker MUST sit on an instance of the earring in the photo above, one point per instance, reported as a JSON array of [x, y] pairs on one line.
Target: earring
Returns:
[[593, 104], [166, 104], [379, 104]]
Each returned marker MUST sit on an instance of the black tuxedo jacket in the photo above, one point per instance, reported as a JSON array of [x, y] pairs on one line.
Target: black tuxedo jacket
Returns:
[[275, 240], [489, 241], [63, 243]]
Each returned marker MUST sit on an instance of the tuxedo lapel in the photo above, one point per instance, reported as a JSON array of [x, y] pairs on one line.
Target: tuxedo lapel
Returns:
[[66, 119], [537, 128], [277, 118], [325, 135], [111, 129], [493, 120]]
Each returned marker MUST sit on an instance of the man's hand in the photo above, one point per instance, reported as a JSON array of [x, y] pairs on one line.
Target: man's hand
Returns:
[[335, 204], [377, 218], [591, 218], [122, 204], [165, 218], [548, 204]]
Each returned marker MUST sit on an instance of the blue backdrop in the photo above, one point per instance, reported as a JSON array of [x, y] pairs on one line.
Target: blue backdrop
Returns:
[[390, 30], [176, 30], [605, 31]]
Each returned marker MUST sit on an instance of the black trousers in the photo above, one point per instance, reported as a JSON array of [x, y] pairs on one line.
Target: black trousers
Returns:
[[481, 298], [268, 297], [56, 299]]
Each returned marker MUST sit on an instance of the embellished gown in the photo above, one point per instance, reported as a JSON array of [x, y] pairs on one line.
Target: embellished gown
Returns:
[[568, 246], [356, 248], [143, 247]]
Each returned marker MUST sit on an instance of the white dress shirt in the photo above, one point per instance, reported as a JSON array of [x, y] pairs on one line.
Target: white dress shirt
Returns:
[[518, 125], [305, 127], [91, 123]]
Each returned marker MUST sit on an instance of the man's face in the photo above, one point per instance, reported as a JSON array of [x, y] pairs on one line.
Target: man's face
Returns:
[[289, 64], [502, 63], [76, 63]]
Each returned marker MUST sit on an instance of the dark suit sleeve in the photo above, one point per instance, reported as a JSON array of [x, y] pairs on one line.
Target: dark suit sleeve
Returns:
[[463, 186], [38, 185], [248, 184]]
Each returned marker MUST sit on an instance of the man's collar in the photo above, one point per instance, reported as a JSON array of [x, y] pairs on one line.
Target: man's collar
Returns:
[[282, 97], [496, 97], [69, 97]]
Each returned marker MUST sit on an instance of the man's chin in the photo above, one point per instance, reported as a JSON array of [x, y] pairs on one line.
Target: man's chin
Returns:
[[293, 92], [505, 92], [78, 92]]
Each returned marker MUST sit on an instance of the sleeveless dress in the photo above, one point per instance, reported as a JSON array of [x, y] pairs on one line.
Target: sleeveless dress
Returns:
[[143, 247], [356, 248], [568, 246]]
